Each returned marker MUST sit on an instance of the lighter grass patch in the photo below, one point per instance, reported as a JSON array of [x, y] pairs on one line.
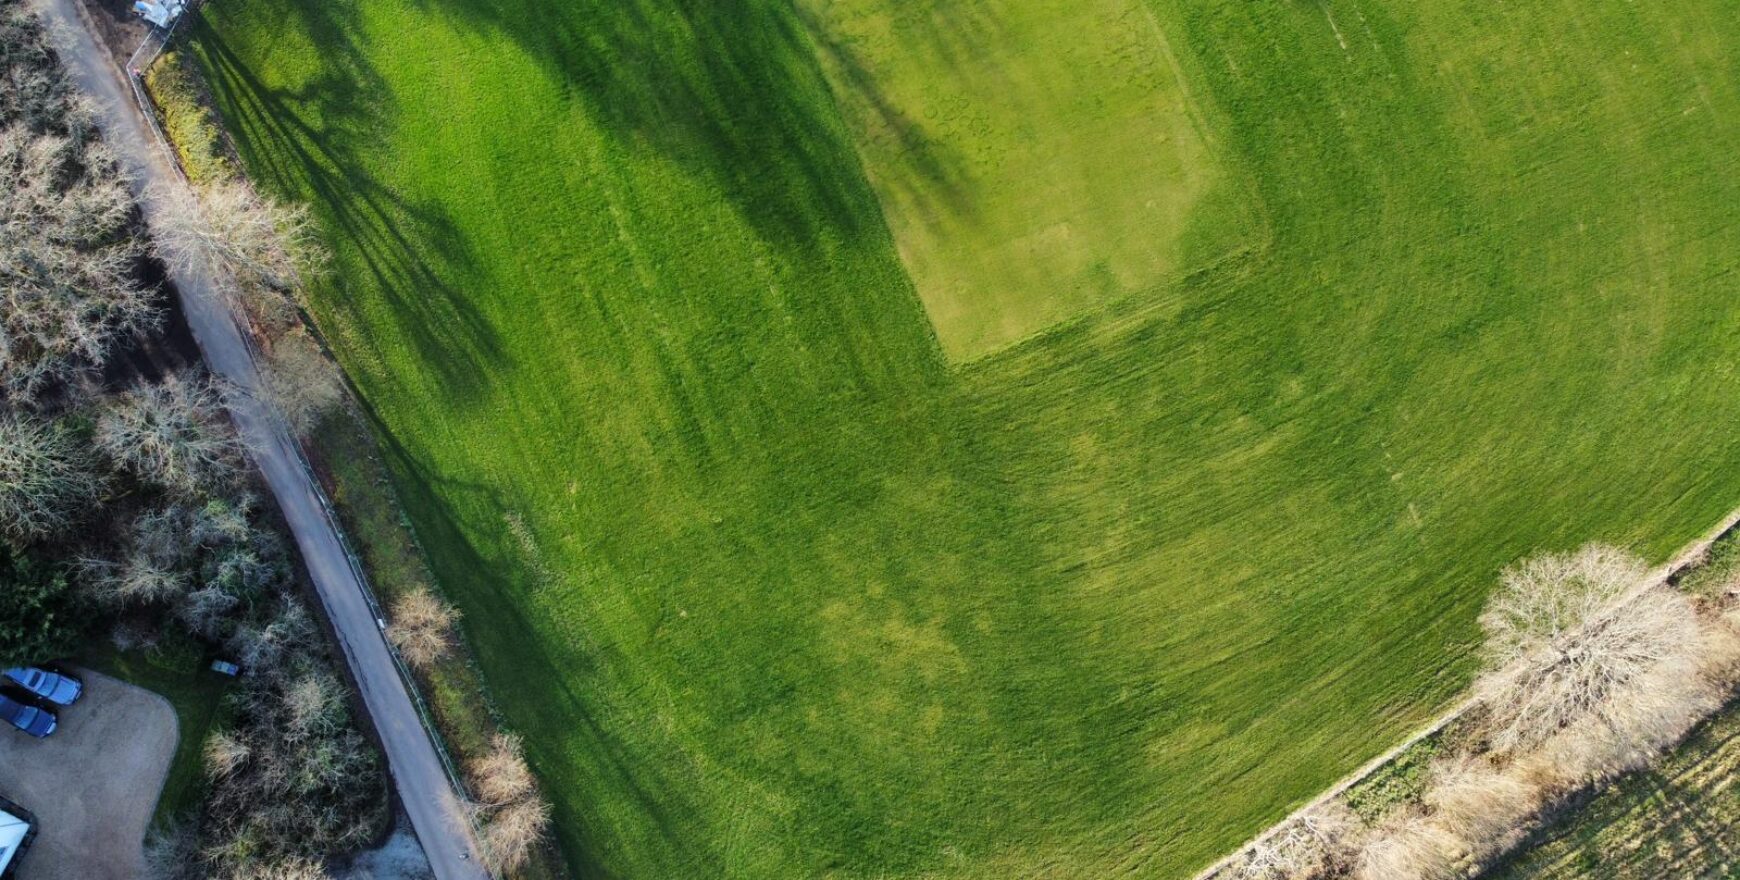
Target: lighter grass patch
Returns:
[[1034, 160]]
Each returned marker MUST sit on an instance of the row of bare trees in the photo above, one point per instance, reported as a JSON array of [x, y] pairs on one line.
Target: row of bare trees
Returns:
[[505, 802], [257, 250], [1590, 671], [130, 510], [141, 495], [262, 252]]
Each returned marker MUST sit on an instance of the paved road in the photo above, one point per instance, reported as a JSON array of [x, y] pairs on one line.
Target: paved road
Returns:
[[423, 785]]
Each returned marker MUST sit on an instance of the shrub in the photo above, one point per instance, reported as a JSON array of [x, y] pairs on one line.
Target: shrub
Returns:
[[422, 627], [224, 753], [512, 814], [512, 833], [501, 776], [37, 621]]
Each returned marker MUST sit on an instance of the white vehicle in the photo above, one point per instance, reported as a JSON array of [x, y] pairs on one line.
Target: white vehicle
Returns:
[[161, 13]]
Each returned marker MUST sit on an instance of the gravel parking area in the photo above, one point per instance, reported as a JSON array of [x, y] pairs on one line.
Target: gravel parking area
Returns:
[[94, 784]]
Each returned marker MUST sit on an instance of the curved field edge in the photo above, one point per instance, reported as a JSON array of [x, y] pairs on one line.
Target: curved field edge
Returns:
[[773, 592]]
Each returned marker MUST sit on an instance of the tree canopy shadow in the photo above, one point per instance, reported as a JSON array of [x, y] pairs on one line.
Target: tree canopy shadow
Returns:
[[439, 507], [311, 140], [731, 90]]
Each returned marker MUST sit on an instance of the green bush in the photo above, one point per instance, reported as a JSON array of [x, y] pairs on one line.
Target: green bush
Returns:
[[188, 123], [37, 619]]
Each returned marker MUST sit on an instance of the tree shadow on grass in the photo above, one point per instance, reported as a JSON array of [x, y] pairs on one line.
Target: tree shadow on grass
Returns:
[[561, 722], [415, 254], [728, 89]]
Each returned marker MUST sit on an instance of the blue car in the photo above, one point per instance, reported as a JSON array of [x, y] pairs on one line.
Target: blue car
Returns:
[[54, 687], [36, 722]]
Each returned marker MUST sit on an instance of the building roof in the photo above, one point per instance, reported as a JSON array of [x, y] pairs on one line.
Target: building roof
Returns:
[[14, 831]]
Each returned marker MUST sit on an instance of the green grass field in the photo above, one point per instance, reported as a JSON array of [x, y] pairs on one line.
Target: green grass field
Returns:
[[1033, 159], [776, 587]]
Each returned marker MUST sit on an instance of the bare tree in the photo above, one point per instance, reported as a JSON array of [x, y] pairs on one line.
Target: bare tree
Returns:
[[422, 627], [66, 260], [37, 94], [1558, 646], [152, 565], [45, 478], [501, 775], [226, 230], [313, 706], [300, 381], [1642, 718], [259, 648], [512, 833], [175, 434], [1320, 842]]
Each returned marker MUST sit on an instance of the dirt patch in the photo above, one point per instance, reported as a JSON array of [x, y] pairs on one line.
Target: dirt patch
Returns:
[[94, 783]]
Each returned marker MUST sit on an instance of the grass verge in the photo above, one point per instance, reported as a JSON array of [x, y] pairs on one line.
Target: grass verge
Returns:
[[344, 454]]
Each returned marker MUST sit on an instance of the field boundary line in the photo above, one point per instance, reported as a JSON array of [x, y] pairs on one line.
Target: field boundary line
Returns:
[[1658, 576]]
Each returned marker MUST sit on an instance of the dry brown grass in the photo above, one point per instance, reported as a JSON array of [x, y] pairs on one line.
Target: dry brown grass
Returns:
[[1484, 807], [1409, 848]]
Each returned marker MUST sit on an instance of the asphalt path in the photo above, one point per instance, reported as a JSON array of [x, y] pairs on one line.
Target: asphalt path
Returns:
[[423, 785]]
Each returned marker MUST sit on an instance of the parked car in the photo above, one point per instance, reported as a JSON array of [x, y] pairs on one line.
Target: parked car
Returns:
[[55, 687], [30, 719]]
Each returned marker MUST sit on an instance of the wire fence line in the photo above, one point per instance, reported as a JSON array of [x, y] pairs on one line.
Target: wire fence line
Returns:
[[148, 52]]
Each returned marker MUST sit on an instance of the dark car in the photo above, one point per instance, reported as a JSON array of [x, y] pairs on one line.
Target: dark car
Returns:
[[56, 688], [36, 722]]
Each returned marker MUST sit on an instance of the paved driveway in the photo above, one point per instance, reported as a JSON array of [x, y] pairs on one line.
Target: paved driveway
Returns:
[[92, 785]]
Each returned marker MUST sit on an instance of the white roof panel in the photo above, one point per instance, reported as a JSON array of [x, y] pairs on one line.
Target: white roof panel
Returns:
[[13, 830]]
